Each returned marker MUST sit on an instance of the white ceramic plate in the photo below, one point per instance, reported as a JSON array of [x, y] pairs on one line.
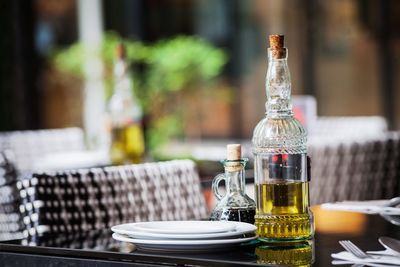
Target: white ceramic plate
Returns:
[[183, 245], [183, 227], [240, 230]]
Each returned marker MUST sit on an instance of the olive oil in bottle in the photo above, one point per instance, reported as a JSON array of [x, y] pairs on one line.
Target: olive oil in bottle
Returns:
[[280, 159], [127, 144], [285, 202]]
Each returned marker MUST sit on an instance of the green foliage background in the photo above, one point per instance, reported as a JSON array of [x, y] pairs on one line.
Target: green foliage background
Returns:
[[163, 73]]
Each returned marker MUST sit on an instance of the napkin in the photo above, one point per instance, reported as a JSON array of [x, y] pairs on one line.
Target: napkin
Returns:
[[369, 207], [348, 257]]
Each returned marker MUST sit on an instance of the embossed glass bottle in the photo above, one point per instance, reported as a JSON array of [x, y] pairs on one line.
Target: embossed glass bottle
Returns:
[[280, 159]]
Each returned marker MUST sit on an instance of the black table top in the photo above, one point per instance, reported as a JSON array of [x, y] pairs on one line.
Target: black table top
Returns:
[[99, 249]]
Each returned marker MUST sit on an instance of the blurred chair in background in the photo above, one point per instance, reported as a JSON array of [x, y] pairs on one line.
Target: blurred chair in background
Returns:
[[50, 149], [10, 218], [353, 158], [23, 152], [28, 148]]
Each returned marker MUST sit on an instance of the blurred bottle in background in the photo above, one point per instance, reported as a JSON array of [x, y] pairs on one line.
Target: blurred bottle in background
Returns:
[[127, 141]]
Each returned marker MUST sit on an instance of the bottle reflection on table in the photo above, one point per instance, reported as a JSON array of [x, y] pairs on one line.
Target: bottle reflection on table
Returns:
[[287, 254]]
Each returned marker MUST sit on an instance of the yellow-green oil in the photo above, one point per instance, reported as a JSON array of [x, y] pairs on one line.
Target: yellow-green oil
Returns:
[[127, 144], [283, 211]]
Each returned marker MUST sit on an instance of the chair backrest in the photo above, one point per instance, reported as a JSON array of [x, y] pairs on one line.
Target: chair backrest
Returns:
[[92, 199], [29, 146], [10, 217], [358, 170]]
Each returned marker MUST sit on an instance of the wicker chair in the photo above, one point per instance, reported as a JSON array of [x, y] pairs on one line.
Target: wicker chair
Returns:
[[19, 152], [29, 146], [364, 169], [91, 199]]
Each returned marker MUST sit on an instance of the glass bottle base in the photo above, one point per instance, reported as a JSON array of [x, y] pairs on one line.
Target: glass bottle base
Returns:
[[278, 228]]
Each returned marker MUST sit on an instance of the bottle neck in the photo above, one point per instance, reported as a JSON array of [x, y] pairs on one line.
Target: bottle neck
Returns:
[[235, 175], [278, 85], [120, 68], [122, 82], [123, 106]]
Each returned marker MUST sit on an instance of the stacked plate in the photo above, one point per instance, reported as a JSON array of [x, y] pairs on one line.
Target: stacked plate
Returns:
[[185, 235]]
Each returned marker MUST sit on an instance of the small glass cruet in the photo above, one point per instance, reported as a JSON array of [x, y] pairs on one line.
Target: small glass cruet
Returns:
[[235, 205]]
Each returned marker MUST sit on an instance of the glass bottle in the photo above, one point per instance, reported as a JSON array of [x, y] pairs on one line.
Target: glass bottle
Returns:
[[235, 205], [127, 142], [280, 159]]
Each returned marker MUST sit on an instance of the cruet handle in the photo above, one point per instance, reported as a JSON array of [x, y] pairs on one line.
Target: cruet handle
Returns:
[[215, 185]]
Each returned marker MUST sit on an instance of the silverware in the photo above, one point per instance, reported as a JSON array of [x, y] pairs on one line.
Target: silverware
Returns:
[[393, 219], [393, 202], [390, 244], [353, 249], [378, 261]]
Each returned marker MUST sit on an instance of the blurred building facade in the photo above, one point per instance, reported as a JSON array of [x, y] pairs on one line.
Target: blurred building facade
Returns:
[[345, 53]]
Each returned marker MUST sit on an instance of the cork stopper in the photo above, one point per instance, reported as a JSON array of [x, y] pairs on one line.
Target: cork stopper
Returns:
[[276, 43], [234, 152], [120, 51]]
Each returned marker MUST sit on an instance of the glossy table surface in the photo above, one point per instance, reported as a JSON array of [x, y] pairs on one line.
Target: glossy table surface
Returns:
[[98, 249]]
